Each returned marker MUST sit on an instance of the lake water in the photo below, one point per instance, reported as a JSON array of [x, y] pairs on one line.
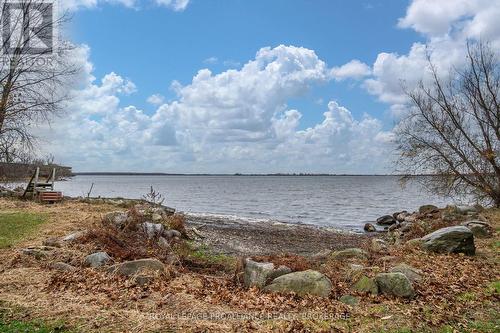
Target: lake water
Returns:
[[342, 202]]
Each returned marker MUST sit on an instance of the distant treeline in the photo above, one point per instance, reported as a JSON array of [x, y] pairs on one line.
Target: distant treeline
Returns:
[[219, 174], [22, 171]]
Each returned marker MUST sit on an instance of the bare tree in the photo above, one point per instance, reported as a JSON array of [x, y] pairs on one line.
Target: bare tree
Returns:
[[453, 129], [34, 69]]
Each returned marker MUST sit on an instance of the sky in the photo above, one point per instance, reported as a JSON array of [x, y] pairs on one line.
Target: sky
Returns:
[[252, 86]]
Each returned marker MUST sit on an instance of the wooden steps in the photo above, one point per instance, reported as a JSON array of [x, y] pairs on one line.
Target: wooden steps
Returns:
[[43, 191]]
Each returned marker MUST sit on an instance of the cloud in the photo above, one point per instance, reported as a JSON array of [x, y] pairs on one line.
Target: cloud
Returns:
[[447, 24], [176, 5], [74, 5], [156, 99], [233, 121], [211, 60], [354, 69]]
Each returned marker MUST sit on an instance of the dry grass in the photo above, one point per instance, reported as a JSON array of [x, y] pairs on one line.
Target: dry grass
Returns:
[[457, 291]]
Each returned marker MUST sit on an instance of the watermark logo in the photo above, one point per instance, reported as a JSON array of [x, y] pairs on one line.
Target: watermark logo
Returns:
[[27, 27]]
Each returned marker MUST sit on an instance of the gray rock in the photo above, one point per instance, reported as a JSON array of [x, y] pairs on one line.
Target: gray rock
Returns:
[[458, 239], [130, 268], [62, 266], [396, 284], [163, 243], [386, 220], [354, 272], [349, 300], [54, 242], [153, 230], [302, 283], [352, 253], [38, 252], [427, 209], [369, 227], [379, 245], [464, 210], [74, 236], [394, 227], [322, 255], [171, 234], [257, 273], [366, 285], [400, 217], [413, 274], [97, 259], [480, 229], [117, 219]]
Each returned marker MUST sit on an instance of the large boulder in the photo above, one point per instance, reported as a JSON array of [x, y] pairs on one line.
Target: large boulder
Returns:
[[413, 274], [257, 273], [379, 245], [480, 229], [351, 253], [396, 284], [153, 230], [117, 219], [130, 268], [366, 285], [97, 259], [427, 209], [457, 239], [302, 283], [386, 220], [369, 227]]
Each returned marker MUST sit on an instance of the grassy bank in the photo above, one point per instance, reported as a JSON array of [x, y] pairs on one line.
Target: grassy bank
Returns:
[[15, 226]]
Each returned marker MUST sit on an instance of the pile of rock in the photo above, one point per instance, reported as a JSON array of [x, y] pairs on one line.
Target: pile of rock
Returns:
[[264, 275], [150, 221]]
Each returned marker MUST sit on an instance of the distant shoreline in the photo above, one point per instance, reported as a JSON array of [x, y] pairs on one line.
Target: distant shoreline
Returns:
[[228, 175]]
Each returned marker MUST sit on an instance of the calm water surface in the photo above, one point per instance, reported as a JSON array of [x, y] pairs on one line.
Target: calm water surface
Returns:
[[340, 202]]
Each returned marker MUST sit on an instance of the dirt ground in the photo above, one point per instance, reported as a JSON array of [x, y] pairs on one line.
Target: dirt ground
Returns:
[[457, 294]]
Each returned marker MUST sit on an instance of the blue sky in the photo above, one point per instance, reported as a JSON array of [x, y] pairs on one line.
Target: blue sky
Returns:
[[227, 86], [154, 46]]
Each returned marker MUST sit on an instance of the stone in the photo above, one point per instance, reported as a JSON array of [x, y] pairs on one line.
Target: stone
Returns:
[[62, 266], [171, 234], [97, 259], [354, 272], [74, 236], [457, 239], [480, 229], [156, 217], [153, 230], [349, 300], [413, 274], [322, 255], [129, 268], [464, 210], [400, 217], [256, 273], [352, 253], [369, 227], [411, 218], [386, 220], [302, 283], [396, 284], [54, 242], [281, 270], [379, 245], [427, 209], [394, 227], [163, 243], [38, 252], [117, 219], [366, 285]]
